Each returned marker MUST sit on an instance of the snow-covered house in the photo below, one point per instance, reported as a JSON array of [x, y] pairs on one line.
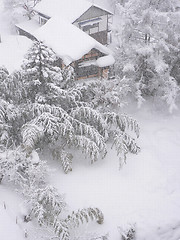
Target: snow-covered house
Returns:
[[77, 30], [87, 16]]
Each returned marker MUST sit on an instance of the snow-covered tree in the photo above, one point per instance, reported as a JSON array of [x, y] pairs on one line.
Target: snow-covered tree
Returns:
[[39, 70], [4, 75], [128, 232], [146, 40], [43, 202], [50, 113], [106, 95], [16, 9], [10, 123]]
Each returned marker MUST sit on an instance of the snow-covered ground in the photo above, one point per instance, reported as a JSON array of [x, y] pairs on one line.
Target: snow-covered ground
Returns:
[[4, 24], [145, 192], [12, 51], [10, 229], [12, 47]]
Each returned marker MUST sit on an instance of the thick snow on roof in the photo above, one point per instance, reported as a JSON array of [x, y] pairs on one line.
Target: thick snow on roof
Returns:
[[105, 61], [29, 26], [69, 10], [12, 51], [100, 62], [68, 41]]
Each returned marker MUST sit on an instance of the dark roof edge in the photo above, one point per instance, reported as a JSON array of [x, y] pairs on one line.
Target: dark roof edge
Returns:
[[93, 5]]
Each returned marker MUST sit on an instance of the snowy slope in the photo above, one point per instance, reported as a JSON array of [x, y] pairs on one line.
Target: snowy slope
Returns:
[[6, 222], [10, 229], [2, 22], [12, 51], [145, 192], [1, 5]]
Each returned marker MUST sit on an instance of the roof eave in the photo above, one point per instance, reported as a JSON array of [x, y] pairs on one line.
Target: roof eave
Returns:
[[93, 5], [107, 11], [42, 13]]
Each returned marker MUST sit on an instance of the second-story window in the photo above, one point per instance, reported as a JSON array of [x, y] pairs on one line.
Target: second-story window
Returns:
[[90, 26], [90, 29]]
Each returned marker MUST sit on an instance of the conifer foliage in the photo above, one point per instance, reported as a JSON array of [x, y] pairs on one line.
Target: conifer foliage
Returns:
[[59, 113], [40, 108], [51, 111], [146, 39], [18, 8], [44, 203]]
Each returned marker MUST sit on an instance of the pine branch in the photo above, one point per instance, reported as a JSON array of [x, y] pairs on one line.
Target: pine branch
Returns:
[[2, 114], [57, 111], [88, 147], [61, 229], [123, 122], [31, 134], [123, 144], [91, 133], [65, 158], [84, 216], [46, 204], [90, 116]]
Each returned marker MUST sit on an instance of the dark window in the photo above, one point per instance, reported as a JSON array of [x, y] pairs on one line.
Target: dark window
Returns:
[[87, 71], [91, 28], [89, 21]]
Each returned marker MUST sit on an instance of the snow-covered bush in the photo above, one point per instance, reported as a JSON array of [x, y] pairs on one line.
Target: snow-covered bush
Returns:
[[147, 46], [106, 95], [128, 233], [15, 10], [85, 215], [29, 174], [10, 122], [93, 236], [22, 169]]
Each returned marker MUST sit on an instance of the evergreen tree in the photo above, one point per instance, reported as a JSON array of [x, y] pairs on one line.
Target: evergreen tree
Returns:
[[39, 70], [147, 36], [29, 174], [16, 9], [106, 95], [52, 114]]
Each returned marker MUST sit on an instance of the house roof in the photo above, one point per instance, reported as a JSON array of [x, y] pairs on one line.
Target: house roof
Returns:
[[29, 26], [69, 10], [68, 41]]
